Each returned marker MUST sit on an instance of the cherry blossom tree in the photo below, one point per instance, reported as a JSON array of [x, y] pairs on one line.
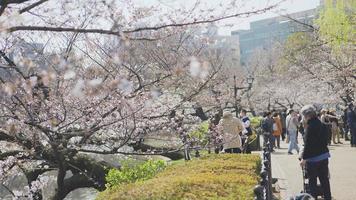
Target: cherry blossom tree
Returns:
[[107, 73]]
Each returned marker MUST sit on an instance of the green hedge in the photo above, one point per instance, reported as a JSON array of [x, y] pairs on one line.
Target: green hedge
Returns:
[[129, 174], [221, 176]]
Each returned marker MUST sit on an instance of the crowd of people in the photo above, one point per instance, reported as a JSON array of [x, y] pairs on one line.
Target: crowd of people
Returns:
[[287, 125], [318, 128]]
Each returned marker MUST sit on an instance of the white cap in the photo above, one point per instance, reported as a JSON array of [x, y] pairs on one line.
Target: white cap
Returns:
[[308, 109]]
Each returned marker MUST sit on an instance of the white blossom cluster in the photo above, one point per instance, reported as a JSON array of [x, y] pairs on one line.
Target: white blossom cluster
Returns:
[[29, 192], [6, 165]]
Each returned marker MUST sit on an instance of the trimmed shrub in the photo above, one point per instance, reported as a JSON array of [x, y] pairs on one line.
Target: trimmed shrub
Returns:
[[255, 122], [129, 174], [216, 176]]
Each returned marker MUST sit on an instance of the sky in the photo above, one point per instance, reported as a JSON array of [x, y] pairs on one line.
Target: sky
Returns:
[[286, 7]]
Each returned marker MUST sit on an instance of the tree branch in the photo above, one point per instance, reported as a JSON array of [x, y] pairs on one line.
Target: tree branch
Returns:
[[32, 6], [154, 28]]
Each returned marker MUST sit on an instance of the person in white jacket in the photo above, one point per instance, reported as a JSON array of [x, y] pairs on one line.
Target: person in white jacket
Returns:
[[232, 128], [292, 127]]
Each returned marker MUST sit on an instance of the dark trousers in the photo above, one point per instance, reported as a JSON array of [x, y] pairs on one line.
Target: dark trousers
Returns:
[[284, 130], [270, 138], [233, 150], [319, 170], [345, 129], [353, 136], [277, 139], [329, 134]]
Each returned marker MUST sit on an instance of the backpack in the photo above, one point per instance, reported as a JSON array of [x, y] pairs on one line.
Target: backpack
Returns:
[[264, 125]]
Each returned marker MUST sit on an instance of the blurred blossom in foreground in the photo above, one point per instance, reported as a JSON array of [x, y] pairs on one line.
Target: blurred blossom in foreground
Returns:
[[126, 86], [194, 67], [78, 89], [197, 69], [70, 74], [95, 82], [155, 93]]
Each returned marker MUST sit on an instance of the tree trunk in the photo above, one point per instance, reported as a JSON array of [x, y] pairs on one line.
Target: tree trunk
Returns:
[[60, 193], [199, 112]]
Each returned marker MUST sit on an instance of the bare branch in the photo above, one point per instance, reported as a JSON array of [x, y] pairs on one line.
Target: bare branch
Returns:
[[154, 28], [32, 6]]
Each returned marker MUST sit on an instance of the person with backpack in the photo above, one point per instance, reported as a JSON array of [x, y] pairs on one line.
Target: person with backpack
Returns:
[[267, 129], [315, 156]]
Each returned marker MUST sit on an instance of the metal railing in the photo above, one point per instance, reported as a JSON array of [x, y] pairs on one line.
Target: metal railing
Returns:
[[263, 191]]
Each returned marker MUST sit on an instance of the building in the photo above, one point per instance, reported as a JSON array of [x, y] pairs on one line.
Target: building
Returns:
[[264, 33], [227, 46]]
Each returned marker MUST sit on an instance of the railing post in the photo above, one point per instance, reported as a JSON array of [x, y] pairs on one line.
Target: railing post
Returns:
[[263, 191], [259, 192], [269, 169]]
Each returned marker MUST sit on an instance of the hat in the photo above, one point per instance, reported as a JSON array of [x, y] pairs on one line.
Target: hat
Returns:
[[289, 111], [227, 115], [308, 109]]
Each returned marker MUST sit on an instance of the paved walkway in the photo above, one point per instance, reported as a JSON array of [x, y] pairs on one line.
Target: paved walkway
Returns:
[[342, 170]]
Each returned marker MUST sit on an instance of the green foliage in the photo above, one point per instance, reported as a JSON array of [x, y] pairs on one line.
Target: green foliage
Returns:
[[255, 122], [129, 174], [298, 41], [201, 133], [335, 23], [215, 176]]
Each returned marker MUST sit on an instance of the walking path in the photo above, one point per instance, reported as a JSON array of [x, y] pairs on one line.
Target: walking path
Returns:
[[342, 168]]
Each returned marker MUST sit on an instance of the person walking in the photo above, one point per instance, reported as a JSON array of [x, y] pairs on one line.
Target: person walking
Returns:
[[292, 127], [315, 156], [283, 116], [345, 126], [334, 127], [325, 119], [351, 122], [232, 128], [277, 130], [267, 129]]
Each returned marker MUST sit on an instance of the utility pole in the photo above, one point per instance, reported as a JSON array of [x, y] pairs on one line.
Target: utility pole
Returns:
[[248, 87], [235, 97]]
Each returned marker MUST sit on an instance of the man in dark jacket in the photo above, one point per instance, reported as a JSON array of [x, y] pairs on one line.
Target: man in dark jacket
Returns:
[[267, 129], [315, 156], [351, 122]]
